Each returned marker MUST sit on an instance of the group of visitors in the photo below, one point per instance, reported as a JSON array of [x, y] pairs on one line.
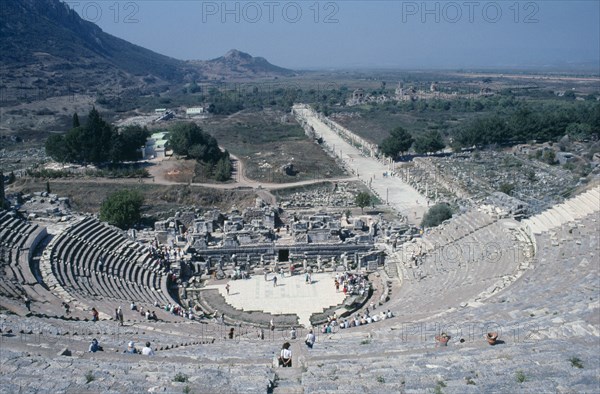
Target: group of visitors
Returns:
[[131, 349], [145, 351], [285, 355], [166, 253], [350, 283], [365, 318]]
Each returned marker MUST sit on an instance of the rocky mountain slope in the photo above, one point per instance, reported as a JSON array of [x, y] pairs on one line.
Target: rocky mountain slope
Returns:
[[236, 64], [49, 50]]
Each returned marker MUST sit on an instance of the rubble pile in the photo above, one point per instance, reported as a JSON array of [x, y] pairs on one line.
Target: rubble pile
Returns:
[[470, 179], [341, 195]]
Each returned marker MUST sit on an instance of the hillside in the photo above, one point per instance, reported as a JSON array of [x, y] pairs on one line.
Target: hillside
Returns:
[[48, 48], [236, 64]]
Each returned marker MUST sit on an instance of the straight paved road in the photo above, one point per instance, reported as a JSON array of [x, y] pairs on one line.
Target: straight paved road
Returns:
[[400, 196]]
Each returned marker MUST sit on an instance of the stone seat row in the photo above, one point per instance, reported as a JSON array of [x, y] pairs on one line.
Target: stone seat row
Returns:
[[456, 273], [93, 260], [454, 229], [571, 210], [534, 366]]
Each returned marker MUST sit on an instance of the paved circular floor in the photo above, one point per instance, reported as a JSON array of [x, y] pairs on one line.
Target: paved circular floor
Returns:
[[291, 295]]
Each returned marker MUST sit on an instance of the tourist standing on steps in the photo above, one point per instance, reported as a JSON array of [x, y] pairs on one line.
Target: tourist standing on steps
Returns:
[[310, 339], [120, 315], [272, 325], [27, 303], [293, 333], [227, 288], [274, 281], [285, 356]]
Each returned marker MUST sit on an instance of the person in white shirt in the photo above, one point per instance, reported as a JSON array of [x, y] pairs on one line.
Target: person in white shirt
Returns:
[[147, 350], [285, 356], [310, 339]]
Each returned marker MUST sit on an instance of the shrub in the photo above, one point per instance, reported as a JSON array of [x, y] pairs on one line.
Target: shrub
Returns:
[[89, 377], [362, 200], [436, 215], [576, 362], [507, 188], [122, 209], [180, 377]]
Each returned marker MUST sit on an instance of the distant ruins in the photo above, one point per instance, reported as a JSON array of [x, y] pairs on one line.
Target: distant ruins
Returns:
[[412, 94]]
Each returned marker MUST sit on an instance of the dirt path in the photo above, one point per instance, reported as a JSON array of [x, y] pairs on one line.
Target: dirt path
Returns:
[[175, 172]]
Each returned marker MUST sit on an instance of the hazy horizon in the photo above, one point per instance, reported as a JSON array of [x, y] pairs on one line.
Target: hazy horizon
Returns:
[[360, 34]]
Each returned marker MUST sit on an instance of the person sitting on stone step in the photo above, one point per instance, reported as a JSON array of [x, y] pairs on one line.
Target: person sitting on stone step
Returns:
[[95, 346], [147, 350], [95, 315], [131, 348]]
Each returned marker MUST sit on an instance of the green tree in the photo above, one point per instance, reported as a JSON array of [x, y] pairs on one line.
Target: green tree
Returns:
[[187, 139], [97, 136], [507, 188], [56, 148], [549, 157], [362, 199], [436, 215], [96, 142], [223, 169], [579, 131], [194, 88], [76, 120], [122, 209], [129, 141], [397, 142], [431, 141]]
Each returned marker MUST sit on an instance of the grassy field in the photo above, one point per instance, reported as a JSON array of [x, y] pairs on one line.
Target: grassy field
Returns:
[[266, 140], [374, 123]]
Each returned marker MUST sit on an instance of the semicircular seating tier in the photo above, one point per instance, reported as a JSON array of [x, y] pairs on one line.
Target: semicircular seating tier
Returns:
[[95, 263], [18, 240]]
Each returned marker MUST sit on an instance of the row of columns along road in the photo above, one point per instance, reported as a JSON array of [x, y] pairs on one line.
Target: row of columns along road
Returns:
[[391, 189]]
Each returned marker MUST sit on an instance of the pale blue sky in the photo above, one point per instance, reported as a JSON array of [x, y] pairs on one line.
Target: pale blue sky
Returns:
[[404, 34]]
